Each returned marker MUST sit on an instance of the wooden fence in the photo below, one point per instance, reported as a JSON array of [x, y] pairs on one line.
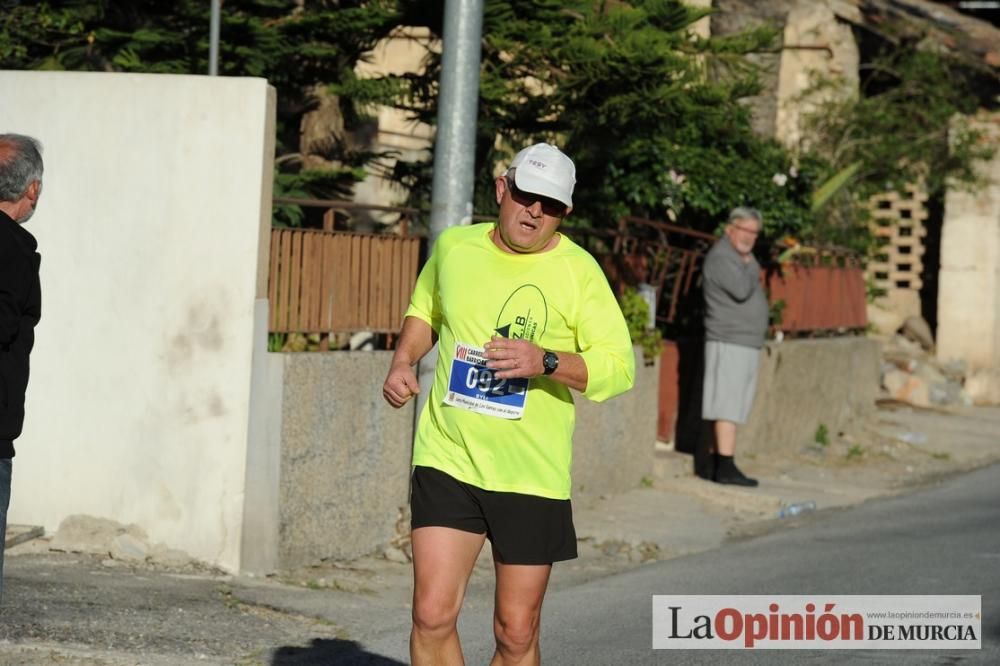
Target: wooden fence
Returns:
[[339, 282]]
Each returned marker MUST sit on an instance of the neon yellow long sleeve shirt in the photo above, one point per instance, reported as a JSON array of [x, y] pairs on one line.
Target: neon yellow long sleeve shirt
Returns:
[[513, 436]]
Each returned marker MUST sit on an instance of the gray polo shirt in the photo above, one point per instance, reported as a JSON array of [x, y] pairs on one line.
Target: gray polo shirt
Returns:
[[736, 307]]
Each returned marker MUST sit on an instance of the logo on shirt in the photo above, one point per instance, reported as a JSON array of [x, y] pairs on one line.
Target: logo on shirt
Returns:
[[525, 314]]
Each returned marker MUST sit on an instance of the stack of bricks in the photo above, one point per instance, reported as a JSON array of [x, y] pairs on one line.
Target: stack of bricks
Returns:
[[898, 225]]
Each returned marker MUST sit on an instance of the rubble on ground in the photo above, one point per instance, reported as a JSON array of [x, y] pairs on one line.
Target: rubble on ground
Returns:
[[910, 372], [918, 330], [126, 544]]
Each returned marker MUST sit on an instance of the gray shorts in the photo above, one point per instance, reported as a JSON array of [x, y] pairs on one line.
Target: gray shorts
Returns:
[[730, 381]]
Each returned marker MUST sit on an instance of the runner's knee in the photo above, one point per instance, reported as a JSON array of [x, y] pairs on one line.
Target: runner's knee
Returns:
[[516, 633], [434, 615]]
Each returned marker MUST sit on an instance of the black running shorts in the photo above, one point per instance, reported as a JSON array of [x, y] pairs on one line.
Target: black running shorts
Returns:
[[524, 529]]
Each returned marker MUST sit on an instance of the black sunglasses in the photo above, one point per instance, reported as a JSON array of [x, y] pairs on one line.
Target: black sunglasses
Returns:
[[550, 207]]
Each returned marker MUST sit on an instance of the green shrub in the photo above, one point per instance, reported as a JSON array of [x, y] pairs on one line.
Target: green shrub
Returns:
[[636, 311]]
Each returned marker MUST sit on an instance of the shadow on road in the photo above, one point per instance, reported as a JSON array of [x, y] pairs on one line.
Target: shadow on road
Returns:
[[330, 651]]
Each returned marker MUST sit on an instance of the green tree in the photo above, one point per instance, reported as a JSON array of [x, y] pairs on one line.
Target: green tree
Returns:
[[300, 47], [650, 114]]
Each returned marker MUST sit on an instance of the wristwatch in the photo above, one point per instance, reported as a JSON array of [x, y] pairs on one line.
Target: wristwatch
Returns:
[[550, 361]]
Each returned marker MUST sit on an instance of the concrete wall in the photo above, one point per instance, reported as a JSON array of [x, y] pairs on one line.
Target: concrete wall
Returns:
[[805, 383], [345, 458], [345, 454], [613, 442], [969, 281], [152, 228]]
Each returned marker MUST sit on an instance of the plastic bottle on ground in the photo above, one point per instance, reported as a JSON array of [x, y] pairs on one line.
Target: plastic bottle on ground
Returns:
[[795, 509]]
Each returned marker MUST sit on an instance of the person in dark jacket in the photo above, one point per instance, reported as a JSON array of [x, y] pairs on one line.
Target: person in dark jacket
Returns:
[[20, 296], [735, 323]]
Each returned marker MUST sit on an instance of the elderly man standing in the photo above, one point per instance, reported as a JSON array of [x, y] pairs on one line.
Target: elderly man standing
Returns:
[[735, 323], [521, 315], [20, 296]]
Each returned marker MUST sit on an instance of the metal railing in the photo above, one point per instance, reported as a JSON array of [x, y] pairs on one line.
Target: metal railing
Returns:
[[663, 255], [823, 292]]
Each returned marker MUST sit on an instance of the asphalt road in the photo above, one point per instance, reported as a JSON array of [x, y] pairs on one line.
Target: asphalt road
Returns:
[[73, 609], [942, 540]]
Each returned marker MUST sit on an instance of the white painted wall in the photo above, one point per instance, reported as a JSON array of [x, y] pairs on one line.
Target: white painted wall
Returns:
[[152, 228]]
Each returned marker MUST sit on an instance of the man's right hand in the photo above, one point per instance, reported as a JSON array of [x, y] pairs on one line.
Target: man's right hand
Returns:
[[400, 384]]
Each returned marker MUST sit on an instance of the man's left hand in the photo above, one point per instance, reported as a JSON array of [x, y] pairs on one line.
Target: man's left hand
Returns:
[[514, 358]]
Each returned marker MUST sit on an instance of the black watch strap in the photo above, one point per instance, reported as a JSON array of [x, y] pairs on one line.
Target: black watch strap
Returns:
[[550, 361]]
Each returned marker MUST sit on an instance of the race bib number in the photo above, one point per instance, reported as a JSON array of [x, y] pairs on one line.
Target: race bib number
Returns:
[[473, 386]]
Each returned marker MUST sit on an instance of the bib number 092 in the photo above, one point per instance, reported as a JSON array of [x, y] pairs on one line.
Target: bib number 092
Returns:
[[483, 379]]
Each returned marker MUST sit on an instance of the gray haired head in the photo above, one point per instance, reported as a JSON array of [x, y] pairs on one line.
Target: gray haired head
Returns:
[[745, 213], [20, 165]]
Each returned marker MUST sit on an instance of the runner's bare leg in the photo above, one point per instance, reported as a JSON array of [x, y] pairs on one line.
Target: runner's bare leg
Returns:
[[518, 612], [443, 559]]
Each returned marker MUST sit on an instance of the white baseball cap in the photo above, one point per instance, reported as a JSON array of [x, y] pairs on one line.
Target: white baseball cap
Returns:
[[544, 169]]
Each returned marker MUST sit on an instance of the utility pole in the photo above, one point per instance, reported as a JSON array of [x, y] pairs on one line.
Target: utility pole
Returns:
[[213, 39], [455, 142]]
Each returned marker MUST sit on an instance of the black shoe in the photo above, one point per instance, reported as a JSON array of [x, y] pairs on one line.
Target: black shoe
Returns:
[[704, 465], [726, 472], [736, 479]]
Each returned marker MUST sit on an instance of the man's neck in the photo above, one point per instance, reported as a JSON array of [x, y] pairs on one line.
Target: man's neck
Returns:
[[8, 209]]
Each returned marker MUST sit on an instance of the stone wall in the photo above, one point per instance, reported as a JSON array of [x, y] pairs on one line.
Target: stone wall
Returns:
[[815, 44], [969, 282], [732, 16], [811, 39], [802, 384]]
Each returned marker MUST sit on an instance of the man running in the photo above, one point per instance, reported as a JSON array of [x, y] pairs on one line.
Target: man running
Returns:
[[521, 315]]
